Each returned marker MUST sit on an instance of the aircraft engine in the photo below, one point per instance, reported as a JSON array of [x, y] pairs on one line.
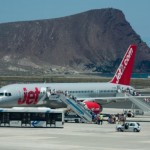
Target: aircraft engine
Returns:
[[95, 107]]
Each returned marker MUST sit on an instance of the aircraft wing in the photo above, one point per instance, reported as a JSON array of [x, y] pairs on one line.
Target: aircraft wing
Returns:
[[105, 100], [143, 91]]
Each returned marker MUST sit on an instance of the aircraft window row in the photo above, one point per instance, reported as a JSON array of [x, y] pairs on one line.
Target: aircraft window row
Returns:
[[43, 92], [91, 91], [108, 91], [6, 94], [80, 91]]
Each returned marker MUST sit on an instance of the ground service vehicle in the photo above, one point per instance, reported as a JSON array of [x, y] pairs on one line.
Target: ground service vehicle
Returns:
[[72, 117], [129, 127], [31, 117]]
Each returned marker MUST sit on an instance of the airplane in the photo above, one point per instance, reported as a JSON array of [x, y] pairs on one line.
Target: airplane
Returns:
[[93, 95]]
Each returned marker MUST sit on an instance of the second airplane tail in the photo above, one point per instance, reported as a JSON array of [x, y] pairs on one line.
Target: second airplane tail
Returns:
[[123, 73]]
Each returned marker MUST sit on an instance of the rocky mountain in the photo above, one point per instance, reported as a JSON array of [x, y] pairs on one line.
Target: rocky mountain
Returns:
[[92, 41]]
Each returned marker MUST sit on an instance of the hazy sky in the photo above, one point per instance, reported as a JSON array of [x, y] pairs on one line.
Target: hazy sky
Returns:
[[137, 12]]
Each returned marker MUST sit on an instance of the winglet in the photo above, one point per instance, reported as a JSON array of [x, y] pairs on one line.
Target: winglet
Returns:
[[123, 73]]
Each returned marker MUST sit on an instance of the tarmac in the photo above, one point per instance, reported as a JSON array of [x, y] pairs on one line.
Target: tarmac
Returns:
[[75, 136]]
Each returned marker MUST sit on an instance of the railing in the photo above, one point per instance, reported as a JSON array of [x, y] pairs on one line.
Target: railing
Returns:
[[142, 104]]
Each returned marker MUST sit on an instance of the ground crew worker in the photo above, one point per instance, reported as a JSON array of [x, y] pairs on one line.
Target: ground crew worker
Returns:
[[48, 92], [101, 119], [98, 119], [66, 93]]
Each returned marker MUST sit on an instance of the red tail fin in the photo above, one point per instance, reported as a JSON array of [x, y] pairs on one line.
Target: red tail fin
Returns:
[[123, 73]]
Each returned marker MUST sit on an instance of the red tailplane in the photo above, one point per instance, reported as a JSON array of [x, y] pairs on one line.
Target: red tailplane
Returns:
[[123, 73]]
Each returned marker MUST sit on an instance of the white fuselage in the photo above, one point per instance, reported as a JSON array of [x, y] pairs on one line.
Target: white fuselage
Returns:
[[20, 95]]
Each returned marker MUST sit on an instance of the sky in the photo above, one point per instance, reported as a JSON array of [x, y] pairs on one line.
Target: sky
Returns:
[[136, 11]]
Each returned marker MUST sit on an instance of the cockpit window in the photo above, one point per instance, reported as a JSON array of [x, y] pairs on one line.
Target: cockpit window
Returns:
[[1, 94], [7, 94]]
